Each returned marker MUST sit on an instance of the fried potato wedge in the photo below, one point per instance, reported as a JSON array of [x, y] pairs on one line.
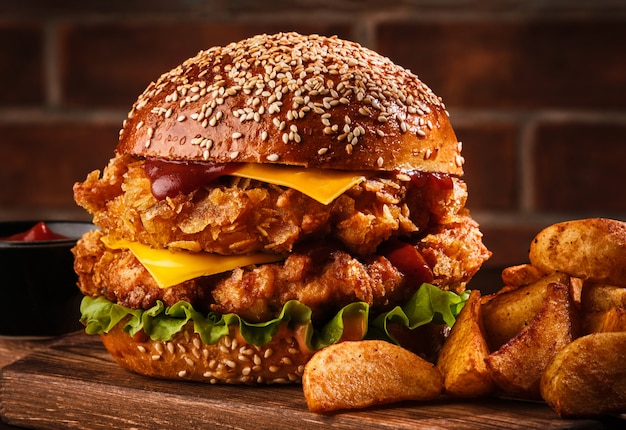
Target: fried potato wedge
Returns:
[[604, 321], [507, 312], [588, 376], [462, 357], [518, 365], [593, 249], [602, 297], [603, 308], [523, 274], [351, 375]]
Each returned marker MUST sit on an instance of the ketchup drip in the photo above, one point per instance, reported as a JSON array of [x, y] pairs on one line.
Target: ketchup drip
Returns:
[[170, 178], [440, 181]]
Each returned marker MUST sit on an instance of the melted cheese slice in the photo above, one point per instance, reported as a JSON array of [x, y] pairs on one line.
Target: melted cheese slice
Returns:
[[323, 185], [172, 268]]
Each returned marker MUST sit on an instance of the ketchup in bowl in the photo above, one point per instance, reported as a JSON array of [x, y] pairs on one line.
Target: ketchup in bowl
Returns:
[[38, 232]]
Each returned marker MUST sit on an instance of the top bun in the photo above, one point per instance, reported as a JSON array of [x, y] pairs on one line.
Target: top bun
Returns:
[[304, 100]]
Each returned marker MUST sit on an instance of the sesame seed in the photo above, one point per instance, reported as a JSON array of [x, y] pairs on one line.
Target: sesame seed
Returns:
[[182, 373], [155, 357], [274, 368], [380, 162], [234, 155], [236, 135], [141, 348], [189, 361], [158, 346], [420, 132], [273, 157]]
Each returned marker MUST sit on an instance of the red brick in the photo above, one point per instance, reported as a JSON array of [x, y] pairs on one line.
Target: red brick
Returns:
[[111, 64], [490, 165], [42, 162], [22, 74], [514, 64], [579, 168]]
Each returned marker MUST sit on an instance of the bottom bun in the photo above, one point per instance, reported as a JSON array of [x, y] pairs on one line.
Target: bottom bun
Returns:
[[230, 361]]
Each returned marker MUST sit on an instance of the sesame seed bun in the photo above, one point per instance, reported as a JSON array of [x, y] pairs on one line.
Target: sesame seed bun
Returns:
[[231, 361], [291, 99]]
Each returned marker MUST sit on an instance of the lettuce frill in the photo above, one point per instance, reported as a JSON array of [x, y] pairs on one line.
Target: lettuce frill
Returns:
[[428, 304]]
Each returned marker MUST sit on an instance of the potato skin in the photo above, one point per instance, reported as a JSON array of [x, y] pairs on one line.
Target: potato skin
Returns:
[[587, 377], [359, 374], [593, 249], [517, 367], [462, 357]]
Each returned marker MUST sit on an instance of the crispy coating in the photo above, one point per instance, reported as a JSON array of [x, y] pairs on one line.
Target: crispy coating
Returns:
[[239, 216]]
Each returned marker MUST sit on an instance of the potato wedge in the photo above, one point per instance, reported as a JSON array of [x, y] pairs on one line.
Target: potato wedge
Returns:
[[507, 313], [602, 297], [603, 308], [522, 274], [518, 365], [358, 374], [462, 357], [604, 321], [593, 249], [588, 376]]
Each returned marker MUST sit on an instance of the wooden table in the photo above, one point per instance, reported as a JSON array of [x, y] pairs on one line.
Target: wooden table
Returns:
[[72, 382]]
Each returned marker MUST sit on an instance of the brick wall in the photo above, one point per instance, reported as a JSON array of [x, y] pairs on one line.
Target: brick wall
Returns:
[[536, 91]]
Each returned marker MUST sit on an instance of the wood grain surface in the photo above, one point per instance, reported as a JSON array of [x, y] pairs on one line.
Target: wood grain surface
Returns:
[[74, 383]]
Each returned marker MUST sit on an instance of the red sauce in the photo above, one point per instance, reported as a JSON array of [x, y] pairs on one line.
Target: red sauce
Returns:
[[407, 259], [38, 232], [171, 178], [441, 181]]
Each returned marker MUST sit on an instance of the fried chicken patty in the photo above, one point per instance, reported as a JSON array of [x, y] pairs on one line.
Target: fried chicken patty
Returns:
[[323, 281], [323, 277], [240, 216]]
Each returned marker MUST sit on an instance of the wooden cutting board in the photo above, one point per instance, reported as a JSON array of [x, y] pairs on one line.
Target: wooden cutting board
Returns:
[[74, 383]]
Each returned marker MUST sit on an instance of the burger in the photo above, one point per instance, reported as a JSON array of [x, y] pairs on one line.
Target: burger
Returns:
[[267, 199]]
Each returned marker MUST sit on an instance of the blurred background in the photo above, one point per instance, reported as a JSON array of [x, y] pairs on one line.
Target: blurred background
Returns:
[[536, 91]]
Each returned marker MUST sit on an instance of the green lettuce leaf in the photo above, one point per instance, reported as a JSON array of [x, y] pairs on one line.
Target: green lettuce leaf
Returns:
[[428, 304]]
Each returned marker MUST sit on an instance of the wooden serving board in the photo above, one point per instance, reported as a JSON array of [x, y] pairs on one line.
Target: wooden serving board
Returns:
[[74, 383]]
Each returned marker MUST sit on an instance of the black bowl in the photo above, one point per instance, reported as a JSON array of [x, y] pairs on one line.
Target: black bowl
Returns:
[[38, 292]]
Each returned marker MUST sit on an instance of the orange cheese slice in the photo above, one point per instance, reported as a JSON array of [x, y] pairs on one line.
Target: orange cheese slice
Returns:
[[323, 185], [169, 268]]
